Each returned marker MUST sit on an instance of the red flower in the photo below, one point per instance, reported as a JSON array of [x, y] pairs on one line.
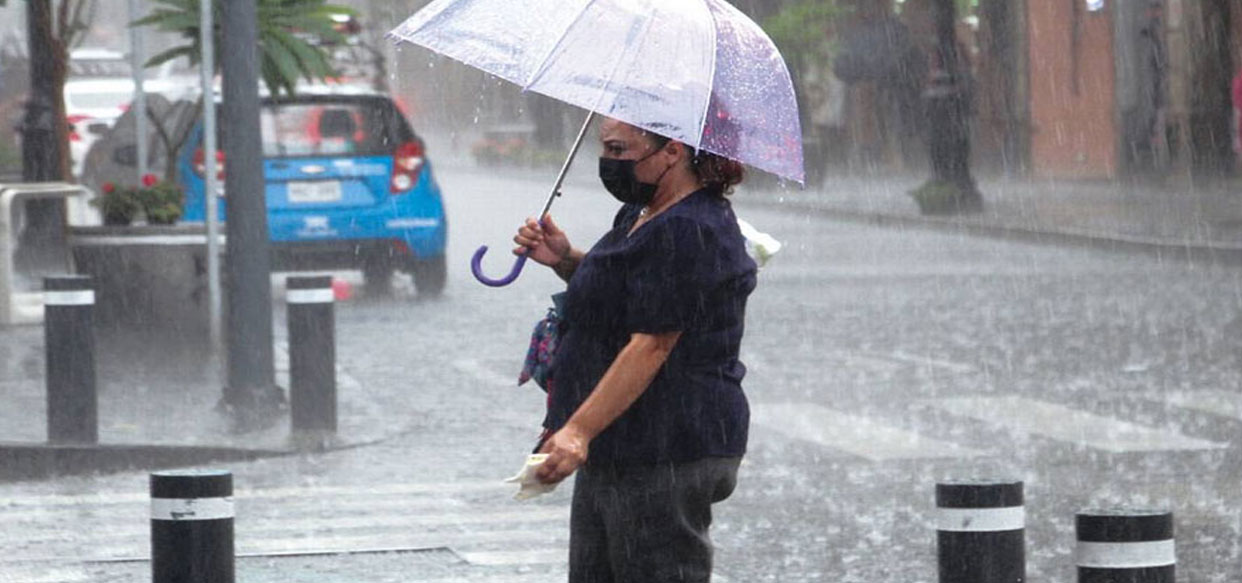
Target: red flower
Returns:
[[109, 188], [149, 180]]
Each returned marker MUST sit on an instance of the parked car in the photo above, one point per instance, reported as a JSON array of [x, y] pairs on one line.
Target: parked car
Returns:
[[348, 187], [506, 144], [348, 184], [92, 106], [100, 89]]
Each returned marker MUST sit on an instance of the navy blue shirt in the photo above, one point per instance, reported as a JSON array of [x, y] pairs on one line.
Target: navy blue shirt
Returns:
[[686, 270]]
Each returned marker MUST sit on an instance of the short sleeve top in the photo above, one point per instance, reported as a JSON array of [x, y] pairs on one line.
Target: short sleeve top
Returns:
[[686, 270]]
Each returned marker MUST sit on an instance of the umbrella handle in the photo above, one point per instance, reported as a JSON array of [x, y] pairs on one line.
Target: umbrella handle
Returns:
[[476, 264], [476, 267]]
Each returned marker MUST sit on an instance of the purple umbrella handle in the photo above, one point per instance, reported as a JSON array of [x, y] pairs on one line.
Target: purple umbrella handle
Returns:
[[476, 267], [476, 264]]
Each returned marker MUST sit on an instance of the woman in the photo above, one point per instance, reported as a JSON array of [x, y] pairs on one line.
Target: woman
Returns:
[[648, 405]]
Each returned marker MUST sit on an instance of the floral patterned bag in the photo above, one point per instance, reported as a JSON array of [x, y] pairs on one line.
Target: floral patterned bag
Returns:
[[543, 342]]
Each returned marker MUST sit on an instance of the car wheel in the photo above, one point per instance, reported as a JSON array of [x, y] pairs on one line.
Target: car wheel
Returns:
[[430, 276], [378, 279]]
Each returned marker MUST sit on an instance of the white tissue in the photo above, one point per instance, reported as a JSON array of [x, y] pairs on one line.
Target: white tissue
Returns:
[[760, 245], [530, 485]]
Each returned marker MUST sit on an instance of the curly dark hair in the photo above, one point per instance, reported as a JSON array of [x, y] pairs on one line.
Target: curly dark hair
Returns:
[[713, 171]]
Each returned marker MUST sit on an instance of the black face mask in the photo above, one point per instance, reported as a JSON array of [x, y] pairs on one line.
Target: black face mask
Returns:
[[620, 181]]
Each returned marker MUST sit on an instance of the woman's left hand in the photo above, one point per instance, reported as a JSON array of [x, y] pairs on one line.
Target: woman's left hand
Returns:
[[567, 451]]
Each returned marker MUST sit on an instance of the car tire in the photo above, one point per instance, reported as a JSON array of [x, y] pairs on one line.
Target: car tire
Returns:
[[378, 279], [430, 275]]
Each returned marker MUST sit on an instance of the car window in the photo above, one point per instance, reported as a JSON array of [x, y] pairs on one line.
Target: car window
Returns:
[[100, 68], [75, 100], [327, 129]]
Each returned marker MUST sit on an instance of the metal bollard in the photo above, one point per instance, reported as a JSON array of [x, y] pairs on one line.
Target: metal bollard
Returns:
[[312, 353], [192, 526], [69, 345], [981, 532], [1125, 545]]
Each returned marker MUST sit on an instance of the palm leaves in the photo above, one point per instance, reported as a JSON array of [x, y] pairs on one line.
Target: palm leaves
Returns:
[[800, 28], [291, 35]]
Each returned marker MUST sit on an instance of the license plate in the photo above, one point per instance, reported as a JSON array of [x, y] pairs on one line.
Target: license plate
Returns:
[[312, 192]]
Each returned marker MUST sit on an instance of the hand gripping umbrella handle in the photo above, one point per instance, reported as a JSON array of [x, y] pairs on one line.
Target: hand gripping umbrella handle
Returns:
[[476, 263], [476, 267]]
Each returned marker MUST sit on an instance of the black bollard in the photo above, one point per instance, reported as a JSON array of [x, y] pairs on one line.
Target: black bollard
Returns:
[[69, 345], [312, 354], [1125, 546], [192, 526], [981, 532]]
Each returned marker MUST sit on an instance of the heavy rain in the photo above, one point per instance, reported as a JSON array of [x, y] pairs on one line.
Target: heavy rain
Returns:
[[249, 333]]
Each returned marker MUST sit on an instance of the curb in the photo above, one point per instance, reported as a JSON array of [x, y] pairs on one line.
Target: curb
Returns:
[[1161, 249], [35, 461]]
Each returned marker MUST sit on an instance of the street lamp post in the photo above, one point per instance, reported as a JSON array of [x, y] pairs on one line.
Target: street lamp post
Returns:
[[137, 56], [251, 393]]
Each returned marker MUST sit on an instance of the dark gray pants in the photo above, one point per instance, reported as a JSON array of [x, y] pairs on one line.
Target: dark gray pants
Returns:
[[646, 524]]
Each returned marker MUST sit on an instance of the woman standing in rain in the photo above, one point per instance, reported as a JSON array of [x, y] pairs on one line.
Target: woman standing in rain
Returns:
[[648, 406]]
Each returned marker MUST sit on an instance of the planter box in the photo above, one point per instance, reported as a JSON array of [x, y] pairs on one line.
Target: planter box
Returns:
[[150, 281]]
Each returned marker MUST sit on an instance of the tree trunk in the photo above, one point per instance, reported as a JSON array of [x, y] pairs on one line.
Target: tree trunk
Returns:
[[59, 72], [42, 158], [1000, 104], [172, 139], [952, 188], [1211, 106], [43, 155]]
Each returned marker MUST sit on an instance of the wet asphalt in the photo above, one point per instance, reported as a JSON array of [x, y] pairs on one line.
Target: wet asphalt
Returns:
[[881, 359]]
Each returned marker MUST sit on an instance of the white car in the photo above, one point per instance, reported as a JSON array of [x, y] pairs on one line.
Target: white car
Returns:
[[99, 90], [92, 107]]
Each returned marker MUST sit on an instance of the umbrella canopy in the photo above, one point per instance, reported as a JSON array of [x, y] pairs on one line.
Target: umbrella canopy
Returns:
[[697, 71]]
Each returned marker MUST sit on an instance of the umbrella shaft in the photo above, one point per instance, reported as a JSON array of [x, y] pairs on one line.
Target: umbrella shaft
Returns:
[[560, 179]]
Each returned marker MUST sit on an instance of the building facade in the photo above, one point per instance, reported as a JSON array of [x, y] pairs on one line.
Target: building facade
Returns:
[[1119, 88]]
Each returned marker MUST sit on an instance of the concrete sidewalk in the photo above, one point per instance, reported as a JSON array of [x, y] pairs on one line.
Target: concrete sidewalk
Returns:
[[156, 408], [1171, 219]]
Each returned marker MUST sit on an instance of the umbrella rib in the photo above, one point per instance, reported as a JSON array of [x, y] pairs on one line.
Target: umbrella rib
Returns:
[[547, 59], [612, 75], [429, 13], [711, 84]]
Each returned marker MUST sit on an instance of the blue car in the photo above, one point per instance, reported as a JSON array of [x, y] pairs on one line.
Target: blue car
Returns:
[[348, 187]]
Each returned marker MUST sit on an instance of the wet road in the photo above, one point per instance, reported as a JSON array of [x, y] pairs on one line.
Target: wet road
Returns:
[[880, 362]]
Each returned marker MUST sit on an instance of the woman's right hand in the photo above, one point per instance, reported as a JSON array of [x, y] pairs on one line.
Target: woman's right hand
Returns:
[[546, 244]]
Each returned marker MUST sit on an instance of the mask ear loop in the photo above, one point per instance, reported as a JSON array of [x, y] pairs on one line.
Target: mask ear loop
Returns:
[[653, 153], [666, 168]]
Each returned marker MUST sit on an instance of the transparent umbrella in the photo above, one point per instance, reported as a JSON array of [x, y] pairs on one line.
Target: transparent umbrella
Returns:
[[696, 71]]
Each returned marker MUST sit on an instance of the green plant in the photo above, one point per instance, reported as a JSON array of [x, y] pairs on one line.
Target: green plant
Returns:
[[292, 37], [118, 206], [800, 30], [160, 201], [937, 197]]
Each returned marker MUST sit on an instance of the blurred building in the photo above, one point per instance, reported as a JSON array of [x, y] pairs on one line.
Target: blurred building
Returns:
[[1119, 88], [1074, 89]]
